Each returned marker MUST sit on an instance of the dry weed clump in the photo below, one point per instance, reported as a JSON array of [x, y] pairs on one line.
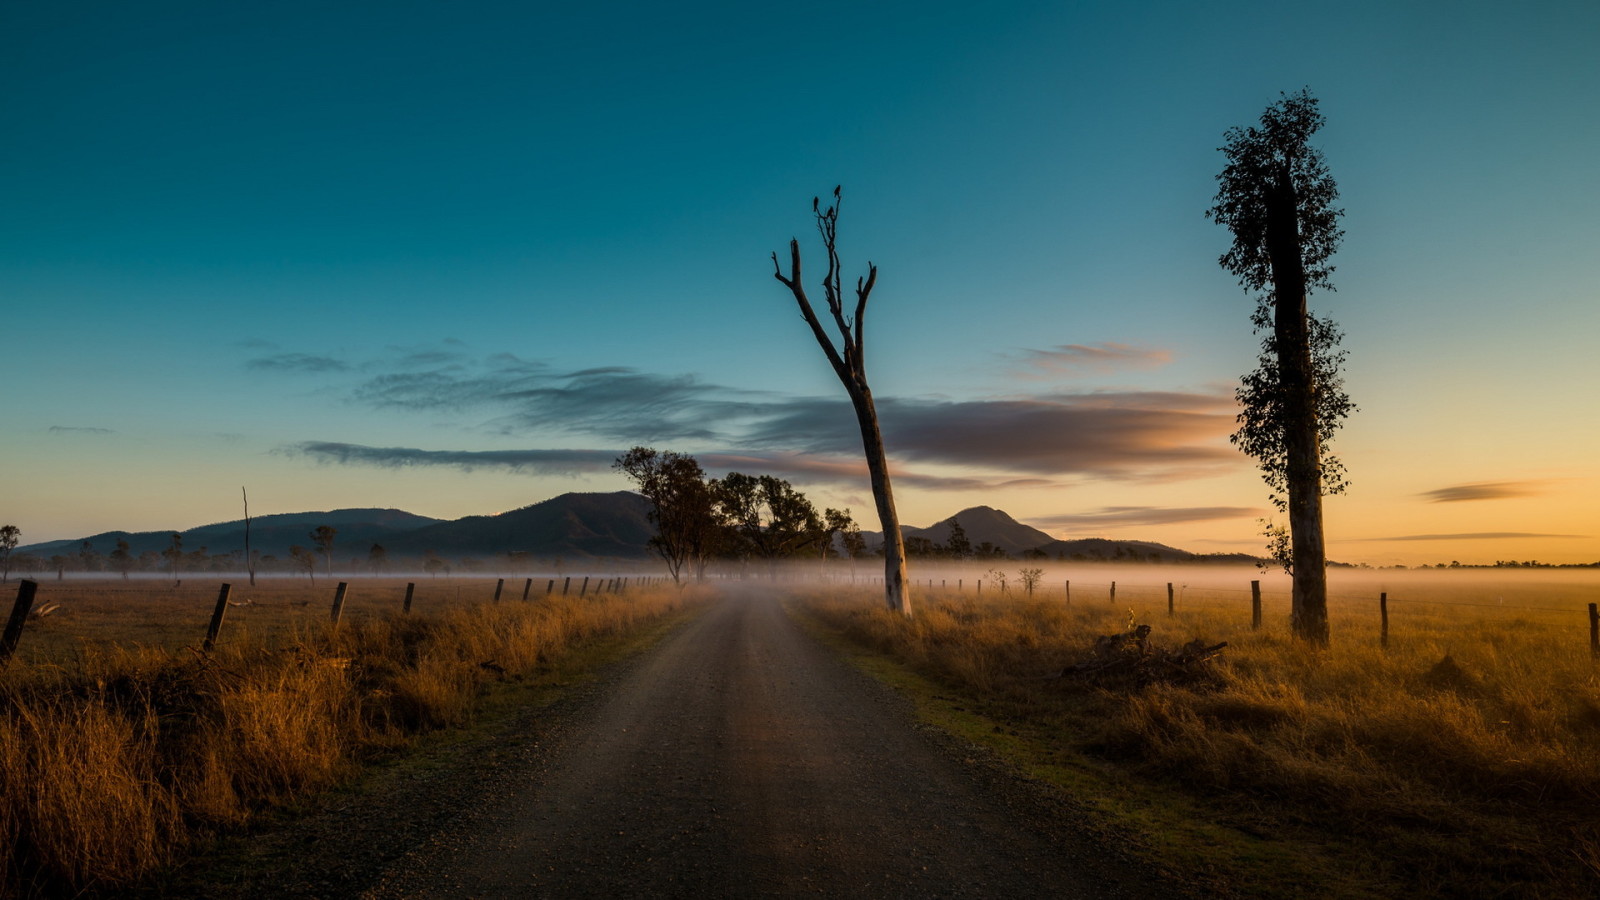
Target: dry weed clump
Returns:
[[113, 764], [1469, 750]]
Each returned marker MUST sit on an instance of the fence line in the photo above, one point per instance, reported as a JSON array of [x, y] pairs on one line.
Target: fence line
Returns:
[[1178, 596], [24, 608]]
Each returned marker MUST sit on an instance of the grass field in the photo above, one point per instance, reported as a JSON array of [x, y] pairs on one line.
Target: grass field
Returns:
[[122, 744], [1461, 761]]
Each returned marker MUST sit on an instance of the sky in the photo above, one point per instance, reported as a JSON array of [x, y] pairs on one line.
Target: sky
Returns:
[[455, 258]]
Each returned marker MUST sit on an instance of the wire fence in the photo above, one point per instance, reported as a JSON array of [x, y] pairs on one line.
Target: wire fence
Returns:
[[64, 617]]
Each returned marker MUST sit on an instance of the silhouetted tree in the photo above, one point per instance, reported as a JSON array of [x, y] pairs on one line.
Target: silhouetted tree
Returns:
[[849, 363], [323, 536], [305, 560], [682, 508], [958, 546], [835, 522], [766, 516], [122, 558], [9, 535], [853, 542], [378, 558], [174, 554], [1276, 196]]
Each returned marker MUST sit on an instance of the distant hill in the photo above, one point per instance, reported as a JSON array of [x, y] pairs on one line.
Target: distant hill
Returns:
[[996, 527], [571, 525], [271, 535], [985, 524]]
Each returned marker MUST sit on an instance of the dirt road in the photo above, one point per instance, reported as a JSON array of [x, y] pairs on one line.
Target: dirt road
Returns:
[[741, 759]]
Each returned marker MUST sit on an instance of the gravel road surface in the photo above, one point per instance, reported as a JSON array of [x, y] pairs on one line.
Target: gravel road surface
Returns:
[[739, 758]]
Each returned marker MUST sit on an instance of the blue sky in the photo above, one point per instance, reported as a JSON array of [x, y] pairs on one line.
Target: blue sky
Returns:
[[294, 246]]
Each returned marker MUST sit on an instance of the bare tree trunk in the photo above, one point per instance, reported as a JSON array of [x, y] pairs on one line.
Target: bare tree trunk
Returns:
[[1302, 436], [849, 363], [894, 545], [249, 561]]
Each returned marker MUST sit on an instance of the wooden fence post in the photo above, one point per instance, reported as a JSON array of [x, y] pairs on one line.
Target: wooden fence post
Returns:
[[411, 589], [1169, 598], [19, 614], [565, 585], [585, 588], [1069, 592], [527, 588], [499, 585], [1255, 606], [216, 618], [1113, 592], [338, 601], [1594, 630], [550, 587], [1383, 619]]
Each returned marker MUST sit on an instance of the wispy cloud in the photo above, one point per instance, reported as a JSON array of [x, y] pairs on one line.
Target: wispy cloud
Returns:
[[297, 362], [1483, 490], [800, 467], [77, 429], [543, 462], [1471, 536], [1089, 359], [1146, 515], [1010, 441]]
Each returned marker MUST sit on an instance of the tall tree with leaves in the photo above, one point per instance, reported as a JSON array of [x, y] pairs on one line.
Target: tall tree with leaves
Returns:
[[767, 516], [849, 361], [1276, 196], [682, 508]]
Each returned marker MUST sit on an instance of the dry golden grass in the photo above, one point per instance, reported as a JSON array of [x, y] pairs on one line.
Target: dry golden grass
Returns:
[[121, 744], [1463, 761]]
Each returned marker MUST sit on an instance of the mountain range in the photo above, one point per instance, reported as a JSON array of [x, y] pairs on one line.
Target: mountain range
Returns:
[[574, 526]]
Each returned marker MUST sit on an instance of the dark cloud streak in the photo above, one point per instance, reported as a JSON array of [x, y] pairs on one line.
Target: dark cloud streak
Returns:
[[1483, 490]]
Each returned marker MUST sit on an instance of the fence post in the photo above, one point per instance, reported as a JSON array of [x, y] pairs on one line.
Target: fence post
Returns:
[[411, 588], [1255, 606], [565, 585], [526, 588], [1169, 598], [338, 601], [19, 614], [216, 618], [585, 588], [499, 585], [1594, 630], [1113, 592], [1383, 619], [1069, 592], [550, 587]]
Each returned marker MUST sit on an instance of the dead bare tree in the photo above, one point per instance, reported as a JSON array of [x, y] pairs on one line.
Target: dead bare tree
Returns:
[[848, 359]]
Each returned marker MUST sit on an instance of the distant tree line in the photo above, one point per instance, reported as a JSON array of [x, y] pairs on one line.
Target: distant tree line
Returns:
[[754, 520]]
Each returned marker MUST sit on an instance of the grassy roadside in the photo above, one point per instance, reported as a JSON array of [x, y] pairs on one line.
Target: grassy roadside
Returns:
[[305, 842], [973, 671], [117, 762]]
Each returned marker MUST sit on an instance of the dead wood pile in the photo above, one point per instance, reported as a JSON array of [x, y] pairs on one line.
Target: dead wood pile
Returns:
[[1129, 659]]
